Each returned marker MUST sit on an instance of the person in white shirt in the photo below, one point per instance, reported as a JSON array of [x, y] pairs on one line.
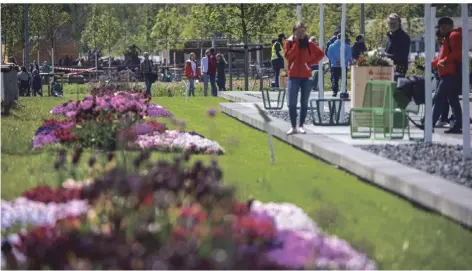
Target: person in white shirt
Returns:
[[204, 65]]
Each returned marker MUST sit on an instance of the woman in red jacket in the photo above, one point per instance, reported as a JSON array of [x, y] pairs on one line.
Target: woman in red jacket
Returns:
[[301, 54], [191, 72]]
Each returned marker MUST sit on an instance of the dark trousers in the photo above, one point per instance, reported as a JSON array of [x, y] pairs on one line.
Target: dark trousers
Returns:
[[277, 65], [295, 85], [214, 90], [447, 91], [336, 74], [221, 81]]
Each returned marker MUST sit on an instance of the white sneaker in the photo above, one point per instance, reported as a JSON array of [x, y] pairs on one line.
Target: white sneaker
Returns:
[[441, 124], [301, 130], [292, 131]]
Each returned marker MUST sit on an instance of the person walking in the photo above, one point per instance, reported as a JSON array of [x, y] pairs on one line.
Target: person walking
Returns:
[[398, 45], [36, 83], [220, 72], [146, 69], [449, 67], [277, 58], [334, 56], [359, 47], [24, 81], [301, 54], [191, 72], [212, 72], [331, 40], [204, 68]]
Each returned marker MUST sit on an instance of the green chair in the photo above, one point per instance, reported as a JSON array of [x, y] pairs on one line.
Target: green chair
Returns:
[[279, 104], [378, 114]]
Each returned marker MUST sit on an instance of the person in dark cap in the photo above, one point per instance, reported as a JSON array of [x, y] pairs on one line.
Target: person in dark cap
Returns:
[[398, 45], [449, 67], [277, 58]]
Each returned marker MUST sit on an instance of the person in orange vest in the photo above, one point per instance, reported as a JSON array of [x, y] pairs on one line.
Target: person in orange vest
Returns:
[[191, 73]]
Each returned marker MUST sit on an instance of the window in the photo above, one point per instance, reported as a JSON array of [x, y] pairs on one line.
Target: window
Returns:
[[413, 46]]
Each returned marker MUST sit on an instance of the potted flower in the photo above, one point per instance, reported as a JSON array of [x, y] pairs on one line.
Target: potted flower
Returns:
[[368, 67]]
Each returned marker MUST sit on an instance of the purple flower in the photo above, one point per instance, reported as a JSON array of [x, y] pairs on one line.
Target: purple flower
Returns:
[[41, 140], [143, 128], [86, 104], [211, 112], [155, 111], [295, 252]]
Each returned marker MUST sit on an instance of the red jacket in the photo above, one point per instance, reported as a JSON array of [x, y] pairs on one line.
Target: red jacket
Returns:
[[451, 58], [212, 65], [300, 60], [189, 71]]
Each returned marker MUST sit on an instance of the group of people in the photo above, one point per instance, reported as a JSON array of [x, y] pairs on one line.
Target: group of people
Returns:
[[210, 70], [302, 52], [29, 80]]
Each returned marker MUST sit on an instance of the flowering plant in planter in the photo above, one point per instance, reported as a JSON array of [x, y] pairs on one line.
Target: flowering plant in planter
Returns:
[[167, 215], [374, 60]]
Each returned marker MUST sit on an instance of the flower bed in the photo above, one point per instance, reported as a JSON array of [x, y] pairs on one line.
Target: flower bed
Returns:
[[165, 215], [111, 118]]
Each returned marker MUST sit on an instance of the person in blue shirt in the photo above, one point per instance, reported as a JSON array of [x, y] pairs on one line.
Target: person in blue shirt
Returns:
[[334, 56], [330, 42]]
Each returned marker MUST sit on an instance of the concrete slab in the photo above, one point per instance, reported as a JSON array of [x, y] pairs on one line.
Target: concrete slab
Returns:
[[327, 143]]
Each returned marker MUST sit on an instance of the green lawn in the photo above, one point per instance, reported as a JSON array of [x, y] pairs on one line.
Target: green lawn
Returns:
[[389, 229]]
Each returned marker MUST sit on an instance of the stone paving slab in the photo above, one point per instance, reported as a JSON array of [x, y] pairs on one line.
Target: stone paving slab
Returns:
[[438, 194]]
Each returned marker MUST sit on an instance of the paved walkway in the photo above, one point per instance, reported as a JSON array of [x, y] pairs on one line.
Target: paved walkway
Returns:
[[341, 133]]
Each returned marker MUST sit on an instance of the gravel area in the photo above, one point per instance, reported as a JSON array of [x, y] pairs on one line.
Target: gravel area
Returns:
[[283, 114], [437, 159]]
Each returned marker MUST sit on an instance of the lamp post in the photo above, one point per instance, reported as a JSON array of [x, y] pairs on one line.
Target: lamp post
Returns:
[[299, 12], [465, 83]]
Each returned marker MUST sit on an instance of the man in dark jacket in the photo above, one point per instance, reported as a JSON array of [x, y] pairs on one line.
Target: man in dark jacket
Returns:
[[212, 72], [398, 45], [359, 47], [448, 64]]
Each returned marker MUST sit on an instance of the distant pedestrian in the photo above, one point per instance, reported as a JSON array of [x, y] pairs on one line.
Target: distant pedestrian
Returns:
[[314, 69], [277, 58], [334, 56], [359, 47], [204, 68], [398, 45], [24, 82], [449, 66], [220, 72], [146, 68], [191, 72], [36, 83], [212, 72], [301, 53]]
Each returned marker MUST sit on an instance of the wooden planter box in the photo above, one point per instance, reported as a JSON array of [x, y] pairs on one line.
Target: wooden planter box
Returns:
[[359, 78], [283, 81]]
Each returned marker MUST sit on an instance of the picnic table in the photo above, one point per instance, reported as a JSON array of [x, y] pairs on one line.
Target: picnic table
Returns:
[[334, 111]]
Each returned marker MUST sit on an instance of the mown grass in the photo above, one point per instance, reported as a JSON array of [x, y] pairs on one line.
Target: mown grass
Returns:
[[389, 229]]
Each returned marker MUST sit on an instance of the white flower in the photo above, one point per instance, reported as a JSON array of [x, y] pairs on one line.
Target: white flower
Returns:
[[26, 212], [177, 140]]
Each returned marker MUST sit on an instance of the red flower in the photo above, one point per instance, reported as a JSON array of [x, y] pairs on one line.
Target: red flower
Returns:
[[240, 208], [147, 200]]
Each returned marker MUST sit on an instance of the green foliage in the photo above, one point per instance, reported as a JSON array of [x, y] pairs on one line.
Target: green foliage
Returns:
[[12, 26], [103, 29], [245, 21], [48, 20], [97, 135], [167, 28]]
